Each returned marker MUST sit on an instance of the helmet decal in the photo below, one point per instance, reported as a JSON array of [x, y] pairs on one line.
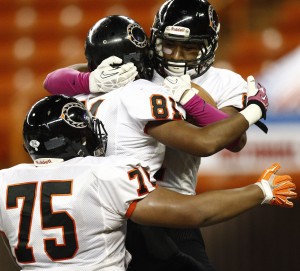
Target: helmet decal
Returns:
[[131, 30], [34, 144], [212, 22], [177, 31], [68, 117]]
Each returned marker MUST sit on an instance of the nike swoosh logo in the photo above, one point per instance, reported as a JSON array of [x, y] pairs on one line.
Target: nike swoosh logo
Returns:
[[104, 75], [263, 98], [172, 80]]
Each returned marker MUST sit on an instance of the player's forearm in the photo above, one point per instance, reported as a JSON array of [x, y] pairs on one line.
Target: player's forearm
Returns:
[[238, 145], [226, 204], [81, 67], [67, 81], [198, 141], [163, 207], [205, 114], [217, 136], [202, 112], [229, 133]]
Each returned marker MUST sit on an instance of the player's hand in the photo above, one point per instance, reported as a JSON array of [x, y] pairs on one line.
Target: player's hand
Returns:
[[180, 87], [278, 189], [257, 95], [107, 77]]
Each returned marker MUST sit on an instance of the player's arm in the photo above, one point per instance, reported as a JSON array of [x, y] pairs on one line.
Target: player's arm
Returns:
[[197, 103], [163, 207], [67, 81], [205, 141], [109, 75], [171, 209], [199, 141], [240, 143], [204, 113], [81, 67]]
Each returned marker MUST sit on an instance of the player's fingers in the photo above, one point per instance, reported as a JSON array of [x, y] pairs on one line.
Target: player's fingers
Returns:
[[282, 202], [282, 178], [128, 74], [128, 80], [111, 61], [128, 66], [270, 171], [286, 193], [252, 90], [250, 80], [186, 78], [275, 167], [287, 185]]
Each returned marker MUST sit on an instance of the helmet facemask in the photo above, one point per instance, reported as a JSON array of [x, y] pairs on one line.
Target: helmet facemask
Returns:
[[101, 134], [195, 23], [194, 67]]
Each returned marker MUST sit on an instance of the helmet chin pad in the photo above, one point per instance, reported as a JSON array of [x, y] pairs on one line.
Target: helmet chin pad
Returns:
[[178, 69]]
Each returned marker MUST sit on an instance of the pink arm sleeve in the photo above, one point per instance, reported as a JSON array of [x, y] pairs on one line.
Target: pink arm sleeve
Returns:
[[202, 112], [67, 81]]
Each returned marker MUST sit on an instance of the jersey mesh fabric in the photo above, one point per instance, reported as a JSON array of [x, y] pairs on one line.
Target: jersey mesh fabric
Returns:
[[93, 227]]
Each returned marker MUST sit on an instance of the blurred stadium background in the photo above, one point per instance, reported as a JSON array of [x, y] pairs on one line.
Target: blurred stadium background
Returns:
[[258, 37]]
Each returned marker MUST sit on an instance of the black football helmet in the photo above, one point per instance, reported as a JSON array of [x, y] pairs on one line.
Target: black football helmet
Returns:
[[60, 127], [192, 21], [119, 36]]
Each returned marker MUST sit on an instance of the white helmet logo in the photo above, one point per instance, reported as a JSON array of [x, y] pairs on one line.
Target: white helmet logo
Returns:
[[130, 30], [68, 117]]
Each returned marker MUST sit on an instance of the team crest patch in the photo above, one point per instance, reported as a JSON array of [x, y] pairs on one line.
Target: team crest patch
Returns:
[[134, 32], [67, 116]]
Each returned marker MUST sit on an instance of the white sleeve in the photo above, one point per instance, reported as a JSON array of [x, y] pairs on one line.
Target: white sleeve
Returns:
[[227, 88], [119, 186], [235, 94]]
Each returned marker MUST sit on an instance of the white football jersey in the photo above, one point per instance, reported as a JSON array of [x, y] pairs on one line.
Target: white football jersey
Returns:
[[71, 216], [125, 113], [180, 169]]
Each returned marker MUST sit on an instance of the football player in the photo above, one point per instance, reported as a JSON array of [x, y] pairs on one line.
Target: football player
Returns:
[[184, 39], [68, 210], [147, 107]]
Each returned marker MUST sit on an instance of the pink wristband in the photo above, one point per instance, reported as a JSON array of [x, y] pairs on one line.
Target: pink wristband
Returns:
[[67, 81], [202, 112]]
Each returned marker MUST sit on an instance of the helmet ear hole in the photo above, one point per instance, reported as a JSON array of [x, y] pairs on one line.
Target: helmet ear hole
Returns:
[[177, 21], [60, 127]]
